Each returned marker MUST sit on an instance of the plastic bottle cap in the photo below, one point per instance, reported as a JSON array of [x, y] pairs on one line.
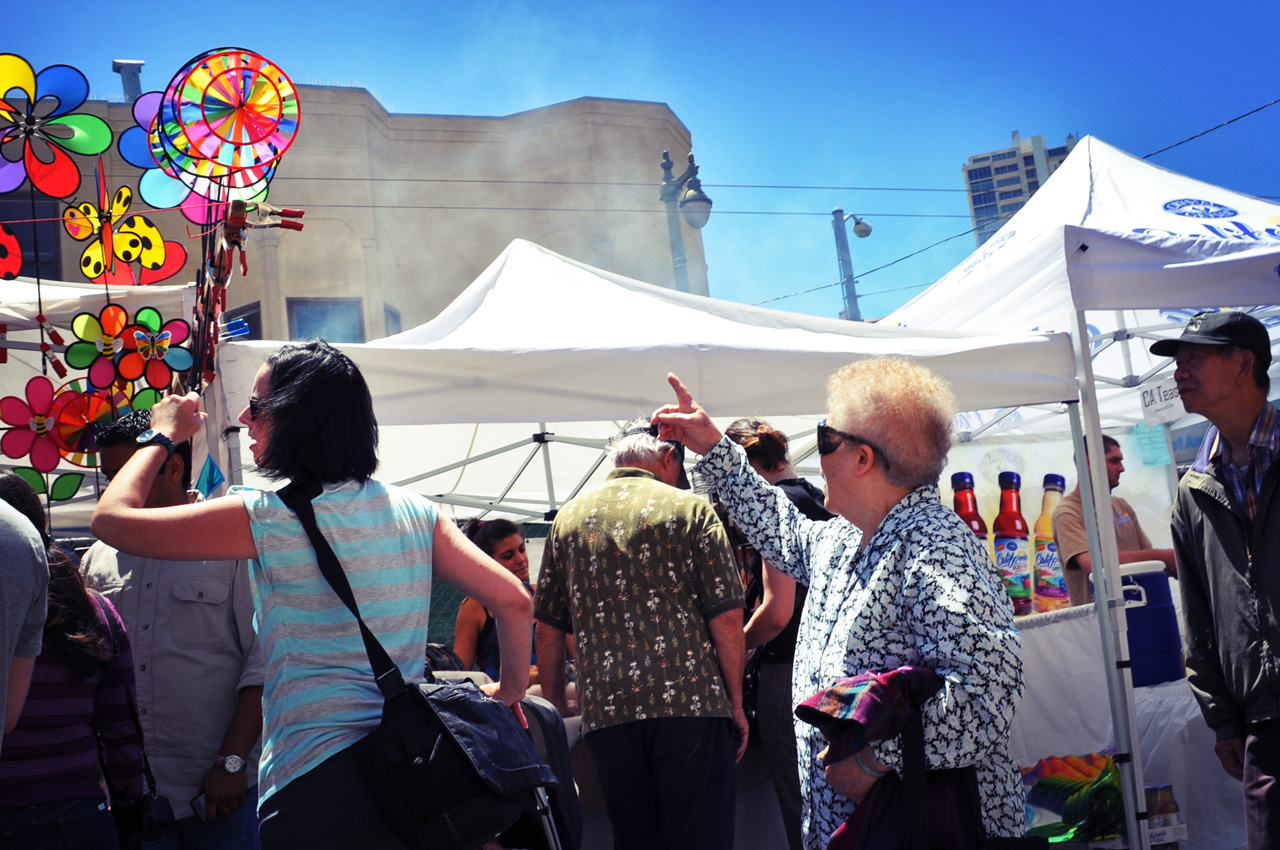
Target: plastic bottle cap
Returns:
[[1054, 482], [1010, 480], [962, 481]]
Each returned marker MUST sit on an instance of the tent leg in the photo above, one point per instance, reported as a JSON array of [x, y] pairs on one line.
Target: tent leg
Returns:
[[1109, 598]]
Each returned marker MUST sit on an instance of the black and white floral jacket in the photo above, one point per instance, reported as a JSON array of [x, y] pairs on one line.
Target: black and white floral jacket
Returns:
[[922, 592]]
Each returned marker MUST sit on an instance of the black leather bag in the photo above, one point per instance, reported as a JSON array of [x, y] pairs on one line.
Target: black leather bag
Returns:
[[448, 766]]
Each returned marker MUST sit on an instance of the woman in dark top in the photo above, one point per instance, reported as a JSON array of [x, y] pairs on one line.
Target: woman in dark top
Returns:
[[50, 795], [775, 622], [475, 638]]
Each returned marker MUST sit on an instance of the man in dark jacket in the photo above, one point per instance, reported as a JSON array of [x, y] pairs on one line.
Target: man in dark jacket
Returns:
[[1226, 534]]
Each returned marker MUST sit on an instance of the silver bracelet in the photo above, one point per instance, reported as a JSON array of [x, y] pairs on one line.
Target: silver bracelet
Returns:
[[867, 769]]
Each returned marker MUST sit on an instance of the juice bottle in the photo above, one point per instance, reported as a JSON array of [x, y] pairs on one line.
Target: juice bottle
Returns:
[[966, 504], [1046, 571], [1013, 552]]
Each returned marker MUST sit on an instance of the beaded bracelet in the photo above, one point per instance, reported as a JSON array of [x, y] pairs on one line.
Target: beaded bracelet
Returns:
[[867, 769]]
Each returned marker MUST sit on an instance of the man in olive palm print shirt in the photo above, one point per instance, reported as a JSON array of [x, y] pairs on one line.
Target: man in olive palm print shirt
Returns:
[[640, 572]]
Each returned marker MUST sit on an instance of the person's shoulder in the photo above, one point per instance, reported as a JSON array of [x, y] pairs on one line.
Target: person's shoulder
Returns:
[[1070, 504]]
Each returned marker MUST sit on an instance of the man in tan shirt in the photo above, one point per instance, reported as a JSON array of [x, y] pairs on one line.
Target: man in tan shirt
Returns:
[[1073, 547]]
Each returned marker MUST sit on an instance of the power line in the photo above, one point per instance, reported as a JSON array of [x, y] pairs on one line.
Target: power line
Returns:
[[648, 185], [1211, 129], [604, 210]]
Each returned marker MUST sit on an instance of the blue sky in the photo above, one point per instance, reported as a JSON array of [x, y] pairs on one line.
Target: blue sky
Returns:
[[830, 94]]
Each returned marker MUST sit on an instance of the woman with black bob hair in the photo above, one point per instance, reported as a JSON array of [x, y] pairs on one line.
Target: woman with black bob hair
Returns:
[[310, 421]]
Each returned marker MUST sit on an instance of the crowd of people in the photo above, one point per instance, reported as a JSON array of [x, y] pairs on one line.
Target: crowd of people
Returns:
[[198, 661]]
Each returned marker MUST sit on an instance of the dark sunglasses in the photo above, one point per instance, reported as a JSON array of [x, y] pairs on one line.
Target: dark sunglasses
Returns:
[[829, 439], [255, 409]]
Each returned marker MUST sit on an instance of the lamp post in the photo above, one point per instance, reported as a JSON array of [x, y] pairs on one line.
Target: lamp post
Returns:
[[686, 193], [862, 230]]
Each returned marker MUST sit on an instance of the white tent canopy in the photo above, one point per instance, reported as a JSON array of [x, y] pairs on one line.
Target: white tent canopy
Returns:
[[539, 337], [1111, 232]]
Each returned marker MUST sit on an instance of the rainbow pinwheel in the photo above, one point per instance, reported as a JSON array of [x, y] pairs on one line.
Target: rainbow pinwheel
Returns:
[[135, 239], [100, 341], [161, 189], [151, 348], [77, 407], [38, 128], [32, 431]]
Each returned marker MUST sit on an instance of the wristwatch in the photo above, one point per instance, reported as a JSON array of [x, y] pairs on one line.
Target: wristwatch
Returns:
[[151, 435], [230, 764]]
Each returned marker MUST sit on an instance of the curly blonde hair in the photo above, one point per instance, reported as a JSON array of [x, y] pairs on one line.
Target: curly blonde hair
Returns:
[[902, 407]]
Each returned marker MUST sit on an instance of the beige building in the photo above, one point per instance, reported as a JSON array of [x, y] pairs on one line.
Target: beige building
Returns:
[[403, 211], [999, 182]]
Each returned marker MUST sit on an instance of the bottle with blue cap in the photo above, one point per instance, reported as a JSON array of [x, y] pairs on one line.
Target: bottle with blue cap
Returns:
[[1046, 570], [1012, 544]]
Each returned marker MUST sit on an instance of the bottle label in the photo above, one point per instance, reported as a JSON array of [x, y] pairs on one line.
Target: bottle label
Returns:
[[1014, 563], [1048, 571]]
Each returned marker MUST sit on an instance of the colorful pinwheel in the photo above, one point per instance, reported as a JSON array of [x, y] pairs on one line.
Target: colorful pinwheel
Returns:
[[10, 254], [159, 186], [38, 129], [151, 348], [77, 407], [136, 239], [100, 342], [31, 433]]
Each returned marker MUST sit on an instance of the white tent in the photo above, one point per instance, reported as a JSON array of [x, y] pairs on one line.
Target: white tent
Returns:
[[538, 338], [1112, 248], [1140, 247]]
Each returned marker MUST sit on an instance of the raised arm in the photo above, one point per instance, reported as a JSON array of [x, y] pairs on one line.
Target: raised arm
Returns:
[[214, 530]]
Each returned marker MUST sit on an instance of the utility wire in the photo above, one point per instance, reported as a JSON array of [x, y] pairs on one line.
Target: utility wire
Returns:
[[1211, 129]]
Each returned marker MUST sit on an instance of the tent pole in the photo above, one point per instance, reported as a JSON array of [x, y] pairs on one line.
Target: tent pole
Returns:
[[1109, 598], [546, 464]]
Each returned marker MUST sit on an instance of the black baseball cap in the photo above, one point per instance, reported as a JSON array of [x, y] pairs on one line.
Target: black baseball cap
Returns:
[[1221, 327]]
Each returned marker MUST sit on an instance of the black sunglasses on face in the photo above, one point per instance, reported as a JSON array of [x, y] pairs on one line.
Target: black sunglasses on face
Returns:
[[829, 439]]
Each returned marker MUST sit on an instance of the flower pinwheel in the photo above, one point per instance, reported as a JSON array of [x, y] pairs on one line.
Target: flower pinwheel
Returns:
[[100, 340], [39, 130], [151, 348], [32, 431]]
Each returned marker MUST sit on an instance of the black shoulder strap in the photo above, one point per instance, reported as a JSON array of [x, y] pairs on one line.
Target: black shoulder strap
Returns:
[[914, 786], [297, 497]]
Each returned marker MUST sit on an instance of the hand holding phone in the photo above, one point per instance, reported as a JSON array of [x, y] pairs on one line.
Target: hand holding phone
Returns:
[[198, 806]]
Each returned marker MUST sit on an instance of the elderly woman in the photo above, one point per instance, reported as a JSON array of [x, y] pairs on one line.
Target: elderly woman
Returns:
[[902, 582], [310, 420]]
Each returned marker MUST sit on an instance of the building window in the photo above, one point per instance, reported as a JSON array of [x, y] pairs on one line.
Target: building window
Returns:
[[1012, 193], [390, 319], [982, 186], [990, 211], [975, 160], [1005, 169], [979, 173], [1009, 181], [1028, 160], [984, 198], [1004, 155], [1055, 152], [1031, 174], [1032, 185], [251, 314], [332, 319], [1008, 208]]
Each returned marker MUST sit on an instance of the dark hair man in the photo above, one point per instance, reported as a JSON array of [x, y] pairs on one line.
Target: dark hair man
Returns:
[[1131, 541], [196, 659], [641, 573], [1226, 533]]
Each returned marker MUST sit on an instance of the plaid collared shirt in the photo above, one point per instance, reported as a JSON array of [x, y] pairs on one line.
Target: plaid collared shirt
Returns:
[[1263, 448]]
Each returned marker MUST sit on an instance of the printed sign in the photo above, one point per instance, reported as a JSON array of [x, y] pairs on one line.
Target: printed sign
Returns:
[[1160, 403]]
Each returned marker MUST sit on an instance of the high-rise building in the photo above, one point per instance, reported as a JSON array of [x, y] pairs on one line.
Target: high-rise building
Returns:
[[1000, 182]]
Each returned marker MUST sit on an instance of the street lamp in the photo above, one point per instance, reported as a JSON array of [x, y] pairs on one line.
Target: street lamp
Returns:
[[686, 193], [862, 230]]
